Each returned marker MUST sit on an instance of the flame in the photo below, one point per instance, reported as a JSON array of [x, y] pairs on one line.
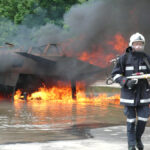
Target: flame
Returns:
[[17, 94], [97, 55], [119, 43], [63, 94], [60, 96], [57, 102], [96, 58]]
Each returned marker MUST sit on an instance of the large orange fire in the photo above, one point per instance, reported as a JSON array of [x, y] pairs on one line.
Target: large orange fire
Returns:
[[57, 102], [98, 55], [63, 94]]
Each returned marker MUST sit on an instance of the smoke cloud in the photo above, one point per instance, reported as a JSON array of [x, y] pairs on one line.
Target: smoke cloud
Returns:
[[96, 22], [92, 23], [89, 25]]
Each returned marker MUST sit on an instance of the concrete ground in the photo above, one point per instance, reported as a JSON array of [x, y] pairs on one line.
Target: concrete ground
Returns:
[[108, 138]]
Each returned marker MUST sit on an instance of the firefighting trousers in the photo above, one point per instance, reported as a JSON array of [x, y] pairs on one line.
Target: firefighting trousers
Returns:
[[136, 129]]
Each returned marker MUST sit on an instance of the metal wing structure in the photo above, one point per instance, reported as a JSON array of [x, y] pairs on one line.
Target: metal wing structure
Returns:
[[28, 69]]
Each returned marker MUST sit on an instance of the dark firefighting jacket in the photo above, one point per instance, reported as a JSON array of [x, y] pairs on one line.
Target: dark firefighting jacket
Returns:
[[127, 65]]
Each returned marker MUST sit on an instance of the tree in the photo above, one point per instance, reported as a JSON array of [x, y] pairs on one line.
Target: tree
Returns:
[[17, 10], [29, 14], [7, 30]]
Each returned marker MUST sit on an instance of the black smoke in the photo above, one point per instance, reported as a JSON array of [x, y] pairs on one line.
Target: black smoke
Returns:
[[89, 25], [96, 22]]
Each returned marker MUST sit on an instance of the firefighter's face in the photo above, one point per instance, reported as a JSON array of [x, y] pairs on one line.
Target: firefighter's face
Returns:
[[138, 46]]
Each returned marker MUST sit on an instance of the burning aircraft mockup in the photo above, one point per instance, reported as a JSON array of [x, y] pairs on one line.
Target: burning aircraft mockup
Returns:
[[27, 70]]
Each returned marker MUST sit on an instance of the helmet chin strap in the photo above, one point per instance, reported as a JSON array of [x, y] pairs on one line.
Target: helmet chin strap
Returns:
[[139, 48]]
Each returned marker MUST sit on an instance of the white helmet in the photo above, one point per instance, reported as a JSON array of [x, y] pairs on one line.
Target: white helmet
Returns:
[[135, 38]]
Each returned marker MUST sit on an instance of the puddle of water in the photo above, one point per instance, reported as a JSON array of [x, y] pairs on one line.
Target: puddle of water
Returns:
[[54, 120], [28, 122]]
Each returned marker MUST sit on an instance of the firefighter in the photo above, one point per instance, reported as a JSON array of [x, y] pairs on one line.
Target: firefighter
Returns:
[[135, 94]]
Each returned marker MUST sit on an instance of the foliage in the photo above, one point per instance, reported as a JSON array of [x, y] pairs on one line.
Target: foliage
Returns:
[[31, 14], [15, 10], [53, 10], [7, 30]]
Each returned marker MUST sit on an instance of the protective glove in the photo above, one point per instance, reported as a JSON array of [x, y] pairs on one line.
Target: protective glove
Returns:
[[131, 83]]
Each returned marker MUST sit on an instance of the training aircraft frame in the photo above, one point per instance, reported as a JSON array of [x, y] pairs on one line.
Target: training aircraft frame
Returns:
[[29, 69]]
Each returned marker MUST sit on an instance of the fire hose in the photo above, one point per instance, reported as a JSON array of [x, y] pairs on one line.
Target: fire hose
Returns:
[[135, 76]]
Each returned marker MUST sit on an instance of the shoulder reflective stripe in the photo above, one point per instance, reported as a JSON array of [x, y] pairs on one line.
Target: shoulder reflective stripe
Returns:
[[142, 67], [145, 100], [131, 120], [143, 119], [116, 76], [129, 68], [127, 100]]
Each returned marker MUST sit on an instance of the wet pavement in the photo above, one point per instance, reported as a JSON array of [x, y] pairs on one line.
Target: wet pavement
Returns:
[[63, 126], [106, 138], [30, 122]]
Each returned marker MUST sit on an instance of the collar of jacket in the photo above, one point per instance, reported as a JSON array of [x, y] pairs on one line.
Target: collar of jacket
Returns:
[[138, 54]]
